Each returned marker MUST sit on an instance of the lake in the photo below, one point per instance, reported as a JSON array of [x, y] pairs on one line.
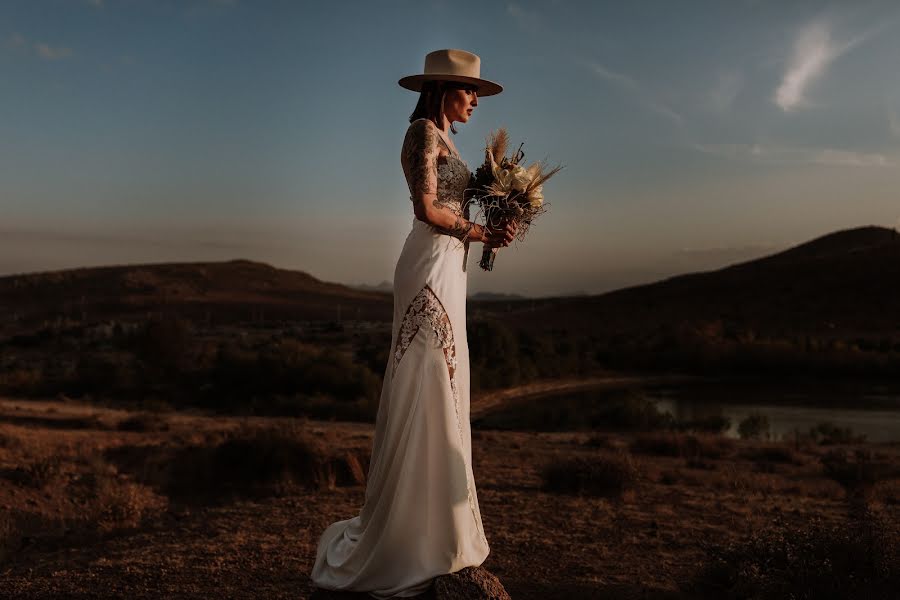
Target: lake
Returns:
[[868, 408]]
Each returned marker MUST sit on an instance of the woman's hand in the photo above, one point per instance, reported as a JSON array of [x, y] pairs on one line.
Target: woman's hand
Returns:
[[495, 238]]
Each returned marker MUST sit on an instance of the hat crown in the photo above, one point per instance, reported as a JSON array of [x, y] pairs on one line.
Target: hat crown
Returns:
[[452, 64], [451, 61]]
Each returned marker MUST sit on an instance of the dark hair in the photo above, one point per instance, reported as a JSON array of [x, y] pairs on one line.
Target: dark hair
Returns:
[[431, 100]]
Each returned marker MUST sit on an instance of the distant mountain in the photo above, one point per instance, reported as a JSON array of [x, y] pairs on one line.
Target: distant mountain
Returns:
[[495, 296], [847, 282], [231, 290], [385, 287], [838, 244], [843, 282]]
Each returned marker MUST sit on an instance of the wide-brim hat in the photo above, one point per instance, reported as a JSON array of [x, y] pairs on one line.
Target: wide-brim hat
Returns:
[[451, 64]]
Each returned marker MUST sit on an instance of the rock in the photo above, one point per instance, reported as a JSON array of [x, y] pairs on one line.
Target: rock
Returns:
[[471, 583], [320, 594]]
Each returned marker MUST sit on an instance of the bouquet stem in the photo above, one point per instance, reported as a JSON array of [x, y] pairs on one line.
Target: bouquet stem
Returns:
[[487, 258]]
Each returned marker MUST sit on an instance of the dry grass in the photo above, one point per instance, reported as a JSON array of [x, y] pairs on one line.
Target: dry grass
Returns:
[[66, 486], [250, 496], [858, 471], [811, 560], [144, 422]]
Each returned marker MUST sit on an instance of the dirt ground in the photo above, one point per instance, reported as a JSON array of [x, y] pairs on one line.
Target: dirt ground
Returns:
[[80, 516]]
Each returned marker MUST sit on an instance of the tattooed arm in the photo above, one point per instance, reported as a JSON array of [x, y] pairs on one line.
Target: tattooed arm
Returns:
[[419, 160]]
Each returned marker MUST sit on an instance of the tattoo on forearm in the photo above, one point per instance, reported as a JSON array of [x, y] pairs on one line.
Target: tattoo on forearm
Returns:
[[460, 229]]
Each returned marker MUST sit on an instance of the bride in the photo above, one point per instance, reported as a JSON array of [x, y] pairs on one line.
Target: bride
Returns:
[[420, 518]]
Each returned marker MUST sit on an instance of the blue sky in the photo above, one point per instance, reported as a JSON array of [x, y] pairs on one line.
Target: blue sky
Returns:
[[693, 134]]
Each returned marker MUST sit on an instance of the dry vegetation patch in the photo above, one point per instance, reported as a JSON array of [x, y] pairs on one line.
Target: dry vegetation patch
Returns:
[[144, 422], [244, 462], [813, 559], [692, 446], [608, 474]]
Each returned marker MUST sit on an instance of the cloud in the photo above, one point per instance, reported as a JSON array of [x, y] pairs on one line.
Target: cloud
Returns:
[[844, 158], [635, 89], [614, 77], [832, 157], [52, 53], [814, 51], [17, 42], [528, 20]]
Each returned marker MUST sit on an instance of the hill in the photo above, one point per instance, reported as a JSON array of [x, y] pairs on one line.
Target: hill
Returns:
[[233, 290], [242, 334], [847, 283]]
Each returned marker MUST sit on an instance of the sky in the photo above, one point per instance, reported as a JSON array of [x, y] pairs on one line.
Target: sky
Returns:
[[692, 135]]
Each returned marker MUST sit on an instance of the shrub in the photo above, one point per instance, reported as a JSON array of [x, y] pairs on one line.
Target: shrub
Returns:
[[633, 411], [710, 424], [856, 472], [108, 501], [773, 454], [244, 463], [493, 354], [144, 422], [601, 441], [692, 447], [659, 444], [754, 426], [22, 381], [828, 433], [608, 475], [38, 474], [9, 441], [244, 378], [165, 341]]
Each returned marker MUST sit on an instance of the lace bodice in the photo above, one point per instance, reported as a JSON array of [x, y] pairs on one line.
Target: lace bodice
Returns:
[[429, 173]]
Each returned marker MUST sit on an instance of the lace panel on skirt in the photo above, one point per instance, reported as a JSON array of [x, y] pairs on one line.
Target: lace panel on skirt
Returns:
[[426, 310]]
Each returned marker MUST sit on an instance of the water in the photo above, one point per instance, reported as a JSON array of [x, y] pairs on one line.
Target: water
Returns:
[[872, 409], [867, 408]]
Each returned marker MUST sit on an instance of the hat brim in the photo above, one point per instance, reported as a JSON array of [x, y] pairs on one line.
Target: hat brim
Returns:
[[485, 87]]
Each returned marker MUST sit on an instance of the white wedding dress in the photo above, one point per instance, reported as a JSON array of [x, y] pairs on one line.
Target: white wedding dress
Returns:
[[421, 517]]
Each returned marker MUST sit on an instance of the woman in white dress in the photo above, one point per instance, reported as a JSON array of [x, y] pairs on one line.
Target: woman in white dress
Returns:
[[421, 517]]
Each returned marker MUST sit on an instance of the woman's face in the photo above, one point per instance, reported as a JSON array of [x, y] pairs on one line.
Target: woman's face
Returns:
[[459, 104]]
